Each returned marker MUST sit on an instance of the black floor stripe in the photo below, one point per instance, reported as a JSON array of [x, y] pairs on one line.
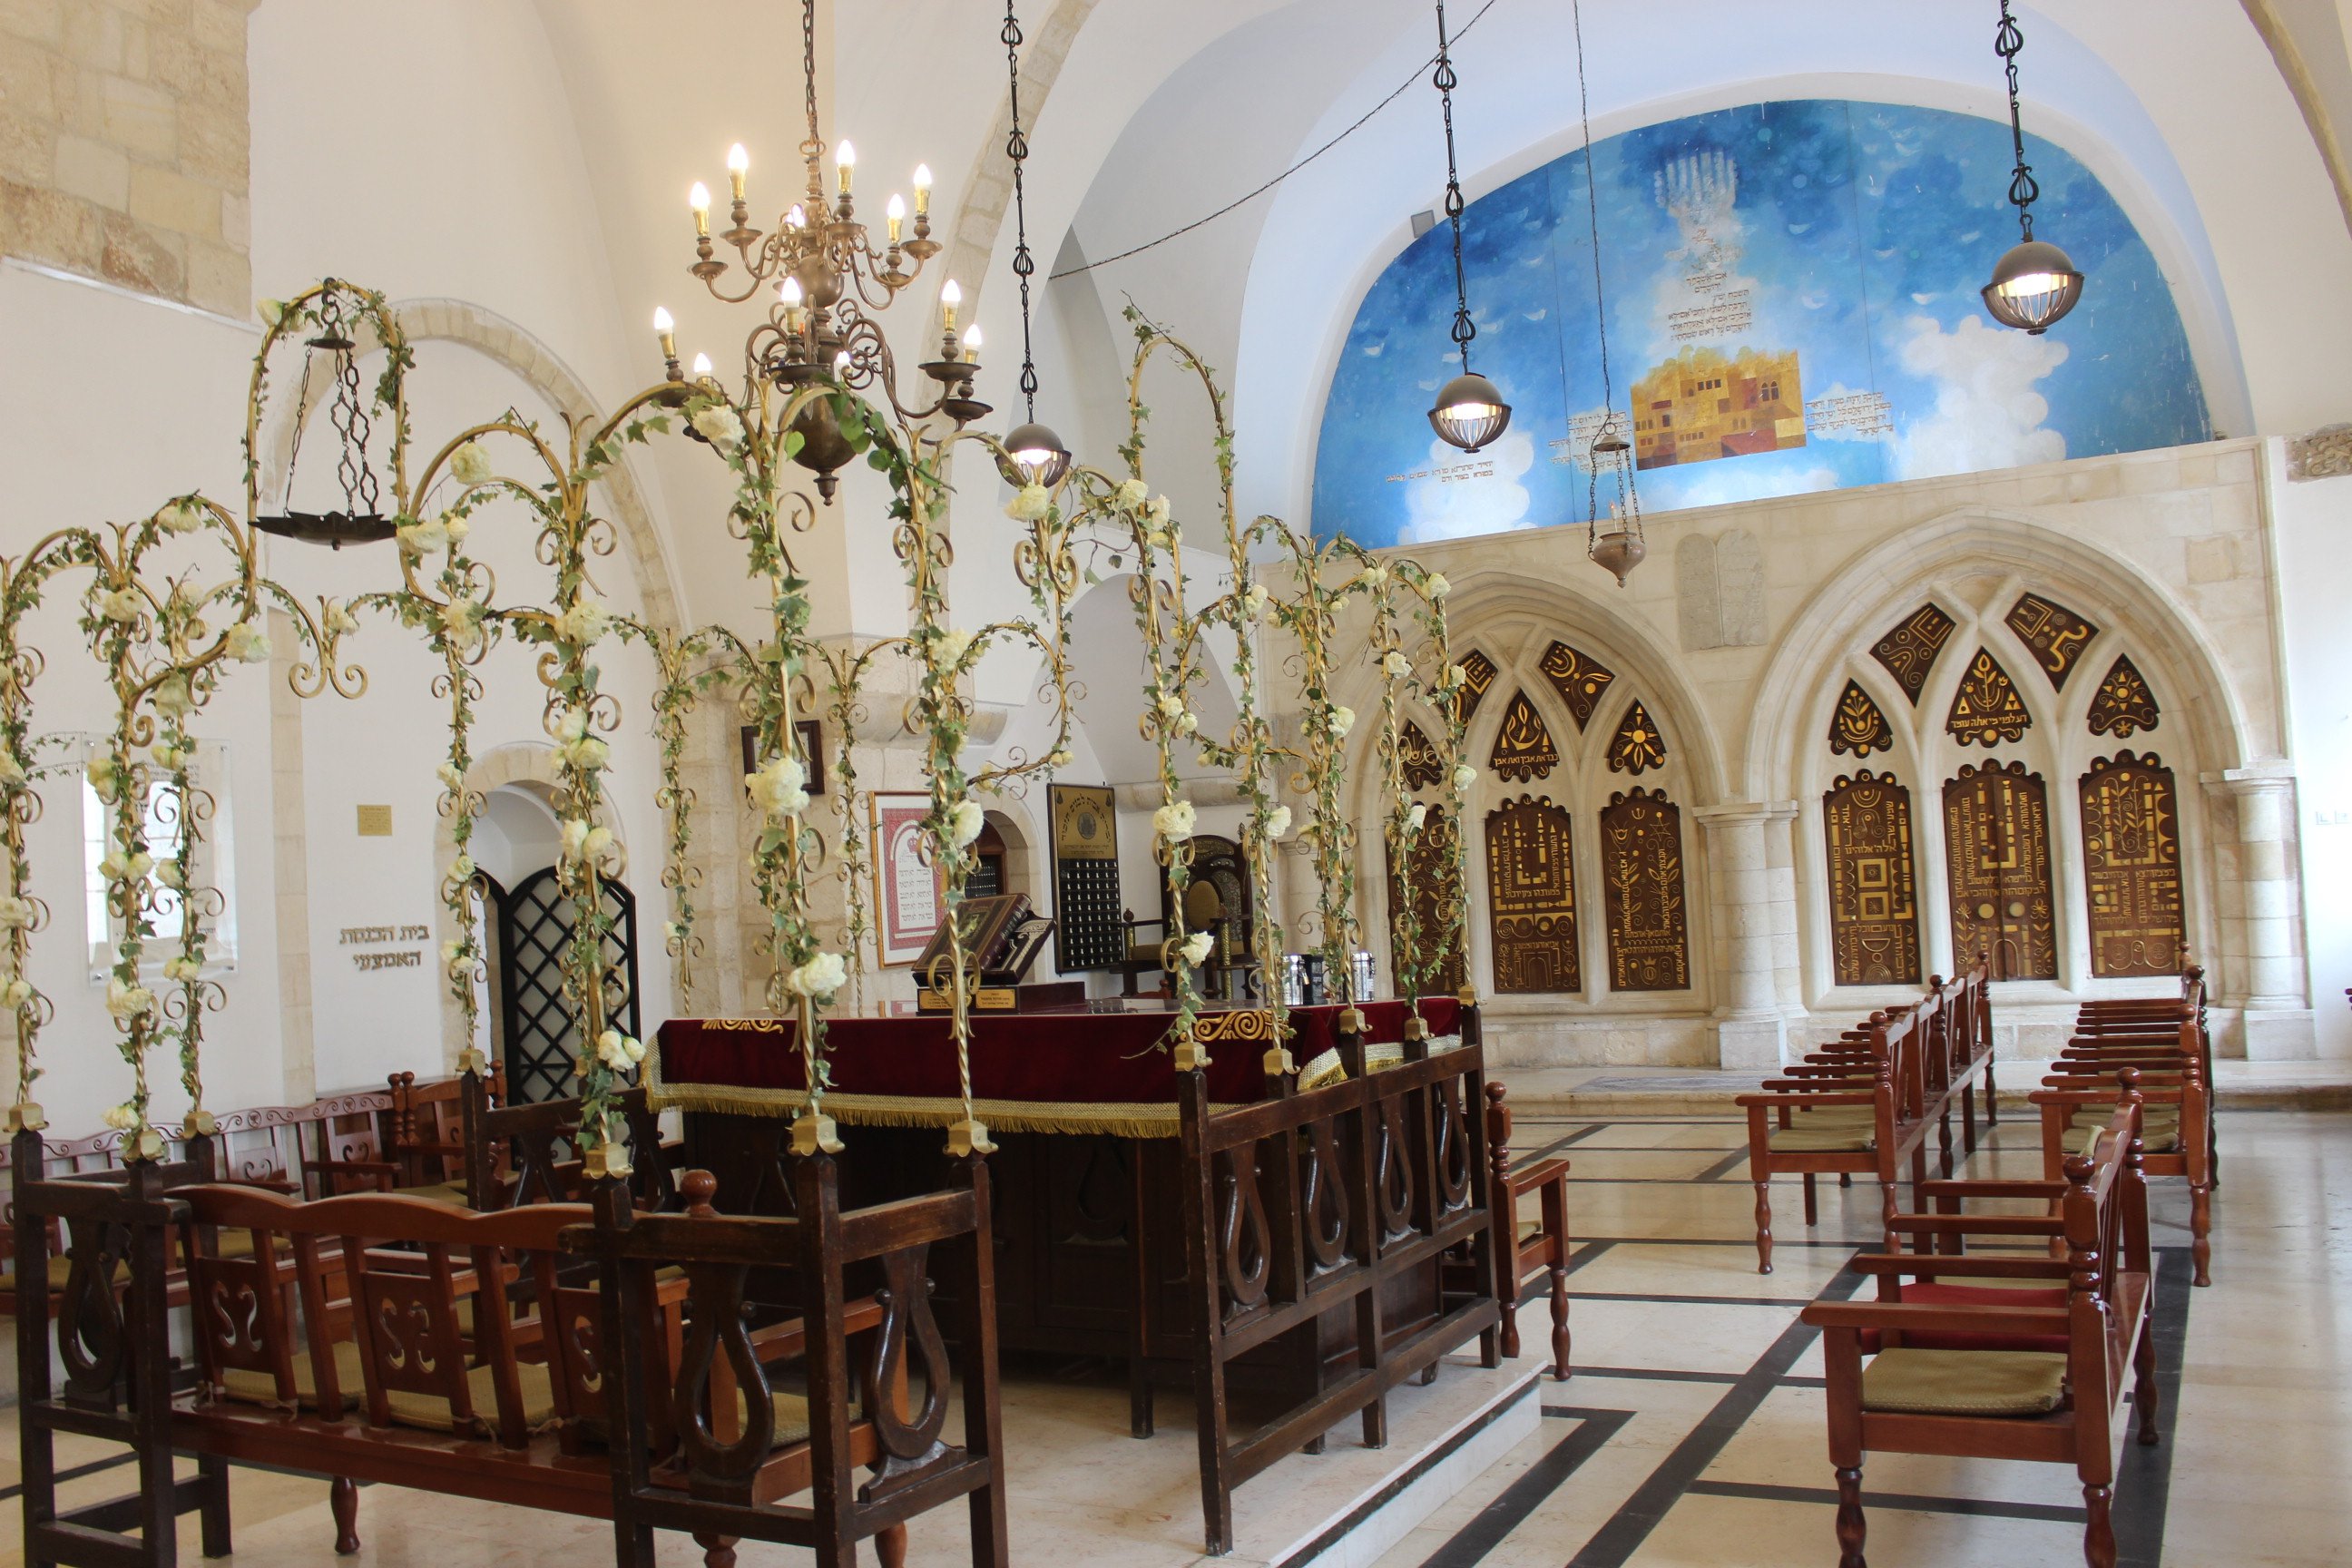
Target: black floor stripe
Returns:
[[1616, 1541], [1723, 1166], [1487, 1528], [1676, 1374], [1554, 1147], [1907, 1502], [2143, 1481]]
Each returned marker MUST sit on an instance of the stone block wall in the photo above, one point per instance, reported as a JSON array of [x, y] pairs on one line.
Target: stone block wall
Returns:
[[124, 144]]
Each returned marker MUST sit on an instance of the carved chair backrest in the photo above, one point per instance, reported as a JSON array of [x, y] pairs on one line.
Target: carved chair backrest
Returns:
[[723, 1447], [530, 1154], [429, 1125], [419, 1287]]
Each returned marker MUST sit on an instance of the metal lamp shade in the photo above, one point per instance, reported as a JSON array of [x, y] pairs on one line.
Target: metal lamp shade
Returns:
[[2033, 287], [1036, 456], [1469, 413], [1620, 552]]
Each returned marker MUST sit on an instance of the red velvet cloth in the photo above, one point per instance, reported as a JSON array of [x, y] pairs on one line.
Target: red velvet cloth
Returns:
[[1062, 1057]]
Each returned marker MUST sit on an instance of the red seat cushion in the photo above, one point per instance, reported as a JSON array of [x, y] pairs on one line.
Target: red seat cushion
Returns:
[[1941, 1295]]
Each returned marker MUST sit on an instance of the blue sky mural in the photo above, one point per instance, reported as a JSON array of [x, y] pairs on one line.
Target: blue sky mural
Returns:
[[1792, 307]]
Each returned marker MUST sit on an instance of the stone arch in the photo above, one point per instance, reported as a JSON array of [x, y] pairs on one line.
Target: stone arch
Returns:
[[2212, 705]]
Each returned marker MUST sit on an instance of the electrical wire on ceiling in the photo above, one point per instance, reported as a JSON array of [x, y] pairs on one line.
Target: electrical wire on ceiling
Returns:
[[1241, 201]]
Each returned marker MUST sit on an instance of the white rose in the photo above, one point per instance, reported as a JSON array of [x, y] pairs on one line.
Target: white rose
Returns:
[[181, 517], [172, 698], [461, 623], [1170, 705], [1197, 946], [1278, 821], [1343, 718], [1187, 722], [15, 993], [461, 869], [571, 724], [609, 1050], [965, 820], [272, 311], [585, 622], [1175, 821], [1028, 503], [102, 774], [470, 463], [451, 779], [127, 1002], [1155, 511], [1436, 585], [425, 537], [1375, 576], [456, 527], [953, 644], [170, 875], [1131, 493], [180, 970], [820, 977], [171, 758], [249, 642], [1416, 816], [339, 619], [574, 838], [120, 605], [11, 772], [1397, 665], [453, 952], [1456, 676], [1464, 776], [1253, 601], [1060, 758], [121, 1117], [587, 755], [779, 789], [16, 913], [121, 868], [718, 425], [598, 845]]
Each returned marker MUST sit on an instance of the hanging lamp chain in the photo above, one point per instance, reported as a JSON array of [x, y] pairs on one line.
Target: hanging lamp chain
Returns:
[[1016, 147], [1628, 496], [811, 145], [2008, 42], [1464, 329]]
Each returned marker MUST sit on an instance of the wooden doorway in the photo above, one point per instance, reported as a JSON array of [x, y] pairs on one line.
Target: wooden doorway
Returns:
[[1997, 862], [542, 1034]]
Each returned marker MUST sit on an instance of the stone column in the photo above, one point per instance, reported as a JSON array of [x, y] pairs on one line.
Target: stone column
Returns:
[[1750, 1030], [2277, 1022]]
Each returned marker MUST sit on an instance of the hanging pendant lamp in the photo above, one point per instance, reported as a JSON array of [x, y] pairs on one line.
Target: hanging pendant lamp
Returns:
[[1621, 547], [1034, 455], [1469, 411], [2036, 283]]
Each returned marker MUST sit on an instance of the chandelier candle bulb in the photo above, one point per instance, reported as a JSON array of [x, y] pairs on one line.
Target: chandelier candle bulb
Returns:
[[702, 367], [896, 213], [667, 331], [698, 199], [844, 159], [787, 294], [739, 164], [971, 343], [949, 297], [922, 189]]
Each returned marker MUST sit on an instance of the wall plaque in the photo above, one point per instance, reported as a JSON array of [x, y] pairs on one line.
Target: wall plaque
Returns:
[[1857, 726], [1089, 934], [1641, 878], [1637, 747], [2123, 704], [2054, 634], [1873, 910], [1987, 710], [2131, 867], [1997, 866], [909, 889], [1523, 748], [1579, 678], [1531, 897], [376, 821]]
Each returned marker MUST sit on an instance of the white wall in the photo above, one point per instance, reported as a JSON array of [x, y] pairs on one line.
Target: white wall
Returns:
[[2314, 541]]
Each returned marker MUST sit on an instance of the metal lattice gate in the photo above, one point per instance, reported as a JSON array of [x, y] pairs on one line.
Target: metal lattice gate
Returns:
[[542, 1037]]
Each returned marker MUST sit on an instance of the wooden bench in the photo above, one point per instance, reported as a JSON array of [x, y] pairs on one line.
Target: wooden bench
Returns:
[[422, 1150], [1865, 1107], [530, 1154], [2026, 1358], [385, 1338], [1327, 1202]]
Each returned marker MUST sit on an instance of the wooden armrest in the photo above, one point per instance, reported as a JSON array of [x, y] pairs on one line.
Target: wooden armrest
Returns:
[[1987, 1188], [1976, 1264], [1798, 1096], [788, 1340], [1911, 1317], [1543, 1172], [1978, 1224]]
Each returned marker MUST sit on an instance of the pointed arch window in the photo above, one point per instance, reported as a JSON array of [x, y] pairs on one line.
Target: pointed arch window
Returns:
[[1997, 866]]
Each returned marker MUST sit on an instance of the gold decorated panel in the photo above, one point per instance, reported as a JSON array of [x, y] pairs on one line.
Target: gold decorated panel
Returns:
[[1578, 678], [1997, 867], [1642, 882], [1637, 747], [1908, 652], [1477, 675], [1432, 893], [1531, 897], [1873, 908], [2053, 634], [1987, 710], [1857, 725], [1417, 758], [1523, 746], [2131, 867], [2123, 705]]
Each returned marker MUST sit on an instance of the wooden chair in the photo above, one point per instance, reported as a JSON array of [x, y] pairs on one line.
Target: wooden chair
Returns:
[[1328, 1203], [417, 1148], [1531, 1235], [528, 1153], [1977, 1370], [2178, 1132]]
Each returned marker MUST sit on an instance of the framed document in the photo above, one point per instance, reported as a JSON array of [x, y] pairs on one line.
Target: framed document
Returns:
[[1089, 934], [811, 734], [909, 889]]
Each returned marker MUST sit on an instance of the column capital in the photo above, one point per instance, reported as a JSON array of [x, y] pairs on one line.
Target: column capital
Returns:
[[1740, 812], [2274, 778]]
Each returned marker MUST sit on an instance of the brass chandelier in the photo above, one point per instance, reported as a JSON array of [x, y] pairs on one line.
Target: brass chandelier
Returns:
[[824, 276]]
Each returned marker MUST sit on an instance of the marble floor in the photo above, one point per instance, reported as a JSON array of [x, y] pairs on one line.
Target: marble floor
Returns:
[[1692, 1432]]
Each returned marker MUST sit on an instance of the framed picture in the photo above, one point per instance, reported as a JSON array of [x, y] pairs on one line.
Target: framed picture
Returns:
[[909, 889], [811, 734]]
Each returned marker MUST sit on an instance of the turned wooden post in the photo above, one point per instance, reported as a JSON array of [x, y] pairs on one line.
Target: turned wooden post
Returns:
[[1507, 1239]]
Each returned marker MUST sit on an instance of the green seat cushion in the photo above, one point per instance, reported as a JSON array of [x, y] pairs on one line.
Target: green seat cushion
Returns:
[[1915, 1382], [450, 1193], [424, 1411], [1833, 1129]]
